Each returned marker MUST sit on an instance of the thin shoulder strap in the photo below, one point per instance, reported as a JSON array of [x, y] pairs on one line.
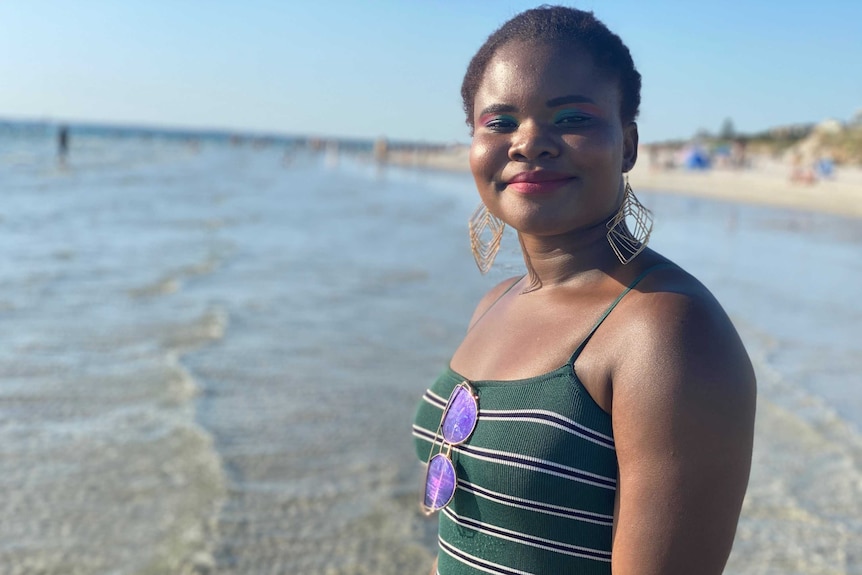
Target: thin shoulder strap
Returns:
[[493, 303], [611, 307]]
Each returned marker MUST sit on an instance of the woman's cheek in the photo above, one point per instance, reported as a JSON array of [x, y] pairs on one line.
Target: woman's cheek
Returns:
[[479, 159], [478, 149]]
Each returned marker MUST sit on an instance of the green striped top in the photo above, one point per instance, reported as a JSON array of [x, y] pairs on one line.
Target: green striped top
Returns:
[[536, 481]]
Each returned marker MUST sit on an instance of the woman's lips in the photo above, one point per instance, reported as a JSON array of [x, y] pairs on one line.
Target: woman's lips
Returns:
[[538, 187], [537, 183]]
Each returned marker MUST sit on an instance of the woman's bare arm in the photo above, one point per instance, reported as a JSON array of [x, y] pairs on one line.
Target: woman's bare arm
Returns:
[[683, 419]]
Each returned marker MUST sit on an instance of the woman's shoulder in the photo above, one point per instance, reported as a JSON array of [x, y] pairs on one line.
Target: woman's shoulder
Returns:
[[492, 296], [671, 299], [675, 322]]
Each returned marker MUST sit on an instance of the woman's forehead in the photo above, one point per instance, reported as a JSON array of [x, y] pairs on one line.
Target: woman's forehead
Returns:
[[567, 58], [521, 69]]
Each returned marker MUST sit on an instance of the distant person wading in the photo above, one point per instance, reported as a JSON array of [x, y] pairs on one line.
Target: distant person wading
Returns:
[[62, 144]]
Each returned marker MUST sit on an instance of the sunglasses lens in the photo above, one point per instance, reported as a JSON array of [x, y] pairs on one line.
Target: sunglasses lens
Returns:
[[439, 482], [460, 417]]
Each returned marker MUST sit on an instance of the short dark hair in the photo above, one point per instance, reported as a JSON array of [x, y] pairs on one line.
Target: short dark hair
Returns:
[[560, 25]]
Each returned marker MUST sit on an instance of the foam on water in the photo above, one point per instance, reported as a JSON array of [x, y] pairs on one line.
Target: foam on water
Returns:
[[103, 467]]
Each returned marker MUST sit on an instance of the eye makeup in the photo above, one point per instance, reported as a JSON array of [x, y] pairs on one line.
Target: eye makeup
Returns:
[[583, 109], [491, 119]]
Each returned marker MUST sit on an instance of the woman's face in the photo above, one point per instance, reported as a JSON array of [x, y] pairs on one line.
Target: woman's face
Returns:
[[549, 147]]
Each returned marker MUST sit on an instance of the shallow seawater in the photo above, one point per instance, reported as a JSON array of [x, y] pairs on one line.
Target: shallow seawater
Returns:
[[212, 353]]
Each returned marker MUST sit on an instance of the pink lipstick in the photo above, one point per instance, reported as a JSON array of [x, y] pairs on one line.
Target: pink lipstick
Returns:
[[538, 182]]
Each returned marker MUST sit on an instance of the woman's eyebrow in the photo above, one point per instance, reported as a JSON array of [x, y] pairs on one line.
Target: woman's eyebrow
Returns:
[[498, 109], [570, 99]]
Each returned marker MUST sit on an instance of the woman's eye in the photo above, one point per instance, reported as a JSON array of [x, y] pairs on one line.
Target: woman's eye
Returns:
[[501, 123], [572, 118]]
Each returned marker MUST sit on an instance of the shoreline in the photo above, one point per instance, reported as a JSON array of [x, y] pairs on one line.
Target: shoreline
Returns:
[[766, 182]]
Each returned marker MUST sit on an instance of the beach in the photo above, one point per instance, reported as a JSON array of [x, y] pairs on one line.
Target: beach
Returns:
[[765, 181], [213, 350]]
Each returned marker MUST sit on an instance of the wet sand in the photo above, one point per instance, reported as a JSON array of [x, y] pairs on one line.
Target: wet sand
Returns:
[[766, 182]]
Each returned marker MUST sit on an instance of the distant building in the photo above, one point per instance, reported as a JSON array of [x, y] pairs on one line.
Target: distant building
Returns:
[[791, 131], [829, 126]]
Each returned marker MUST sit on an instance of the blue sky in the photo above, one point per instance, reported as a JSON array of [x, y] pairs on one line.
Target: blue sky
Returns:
[[394, 68]]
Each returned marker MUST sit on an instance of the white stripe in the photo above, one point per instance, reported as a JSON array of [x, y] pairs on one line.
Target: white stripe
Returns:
[[573, 550], [416, 434], [525, 415], [466, 486], [491, 452], [489, 415], [540, 421], [529, 505], [439, 398], [554, 414], [502, 568], [490, 457]]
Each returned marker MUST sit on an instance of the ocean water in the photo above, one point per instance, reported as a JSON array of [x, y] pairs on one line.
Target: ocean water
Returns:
[[212, 351]]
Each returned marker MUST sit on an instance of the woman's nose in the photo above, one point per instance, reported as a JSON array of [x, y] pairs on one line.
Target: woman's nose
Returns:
[[533, 141]]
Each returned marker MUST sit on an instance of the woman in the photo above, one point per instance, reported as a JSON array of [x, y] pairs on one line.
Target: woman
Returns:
[[599, 411]]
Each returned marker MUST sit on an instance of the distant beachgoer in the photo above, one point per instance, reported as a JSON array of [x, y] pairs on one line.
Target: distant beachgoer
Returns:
[[381, 150], [825, 167], [598, 415], [801, 171], [63, 143], [739, 158], [654, 162]]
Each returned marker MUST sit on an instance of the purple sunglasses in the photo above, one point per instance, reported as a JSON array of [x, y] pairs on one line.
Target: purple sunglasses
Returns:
[[457, 424]]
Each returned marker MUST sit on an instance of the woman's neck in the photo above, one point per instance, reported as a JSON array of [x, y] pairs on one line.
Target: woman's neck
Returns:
[[553, 261]]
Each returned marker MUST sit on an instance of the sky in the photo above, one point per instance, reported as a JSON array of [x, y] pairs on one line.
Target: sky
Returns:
[[387, 68]]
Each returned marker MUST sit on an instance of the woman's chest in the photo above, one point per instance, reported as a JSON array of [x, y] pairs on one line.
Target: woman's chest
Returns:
[[542, 439]]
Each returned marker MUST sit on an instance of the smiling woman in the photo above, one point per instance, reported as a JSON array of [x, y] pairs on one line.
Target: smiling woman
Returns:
[[598, 415]]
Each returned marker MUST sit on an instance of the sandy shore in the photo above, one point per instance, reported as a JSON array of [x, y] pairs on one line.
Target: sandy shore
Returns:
[[766, 182]]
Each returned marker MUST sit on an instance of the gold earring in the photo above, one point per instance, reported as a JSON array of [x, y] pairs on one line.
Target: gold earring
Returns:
[[627, 244], [484, 251]]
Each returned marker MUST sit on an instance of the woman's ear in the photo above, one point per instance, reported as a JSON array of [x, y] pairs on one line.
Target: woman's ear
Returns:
[[630, 146]]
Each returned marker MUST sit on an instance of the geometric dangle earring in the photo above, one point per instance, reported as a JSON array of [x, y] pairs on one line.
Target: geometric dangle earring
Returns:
[[482, 222], [628, 243]]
